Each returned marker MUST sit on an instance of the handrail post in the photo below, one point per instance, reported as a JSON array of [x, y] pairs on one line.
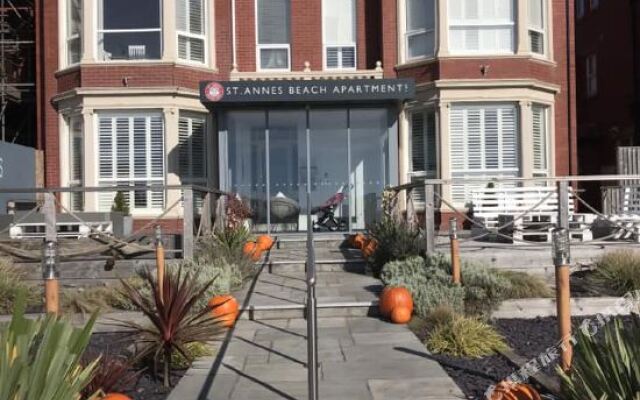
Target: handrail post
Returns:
[[187, 224], [429, 217], [455, 251], [312, 317]]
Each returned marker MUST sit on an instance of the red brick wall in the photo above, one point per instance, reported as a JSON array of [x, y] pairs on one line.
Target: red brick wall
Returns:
[[306, 34], [389, 37], [246, 35], [48, 116], [168, 226]]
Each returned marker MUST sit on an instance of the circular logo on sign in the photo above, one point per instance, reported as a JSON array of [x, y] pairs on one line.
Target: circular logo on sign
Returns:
[[214, 91]]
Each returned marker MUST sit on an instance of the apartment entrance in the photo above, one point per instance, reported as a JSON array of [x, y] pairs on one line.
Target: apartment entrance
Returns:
[[345, 155]]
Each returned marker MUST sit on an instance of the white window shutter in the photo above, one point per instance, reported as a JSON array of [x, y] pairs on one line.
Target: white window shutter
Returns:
[[418, 156], [539, 134], [192, 148]]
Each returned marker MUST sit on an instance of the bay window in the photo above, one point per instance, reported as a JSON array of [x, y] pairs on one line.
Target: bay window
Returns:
[[420, 29], [423, 143], [273, 50], [537, 26], [484, 143], [73, 31], [190, 26], [339, 20], [539, 132], [131, 153], [130, 30], [482, 26], [76, 160], [192, 145]]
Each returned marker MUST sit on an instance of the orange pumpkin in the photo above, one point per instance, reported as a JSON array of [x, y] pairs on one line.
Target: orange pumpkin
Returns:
[[116, 396], [264, 242], [225, 308], [358, 241], [249, 248], [514, 391], [395, 297], [400, 315], [369, 248]]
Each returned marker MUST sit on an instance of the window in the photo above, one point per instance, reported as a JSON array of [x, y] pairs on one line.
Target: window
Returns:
[[420, 34], [74, 31], [537, 26], [130, 30], [483, 143], [481, 26], [130, 153], [339, 18], [273, 34], [592, 75], [423, 143], [540, 134], [190, 19], [76, 160], [192, 146], [594, 4], [580, 8]]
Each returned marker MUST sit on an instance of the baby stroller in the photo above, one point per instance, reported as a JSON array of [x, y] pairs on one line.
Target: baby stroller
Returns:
[[325, 214]]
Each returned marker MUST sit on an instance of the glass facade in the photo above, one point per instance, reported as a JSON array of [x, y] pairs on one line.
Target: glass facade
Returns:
[[271, 157]]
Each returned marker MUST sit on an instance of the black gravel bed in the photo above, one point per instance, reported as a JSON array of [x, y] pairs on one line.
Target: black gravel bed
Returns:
[[147, 387]]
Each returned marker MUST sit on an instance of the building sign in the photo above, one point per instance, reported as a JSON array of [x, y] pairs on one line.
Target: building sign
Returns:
[[212, 92]]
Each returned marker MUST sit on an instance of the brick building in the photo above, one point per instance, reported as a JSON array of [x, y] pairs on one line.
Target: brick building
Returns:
[[344, 96], [608, 81]]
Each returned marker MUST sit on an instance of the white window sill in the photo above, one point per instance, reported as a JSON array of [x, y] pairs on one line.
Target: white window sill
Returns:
[[137, 63]]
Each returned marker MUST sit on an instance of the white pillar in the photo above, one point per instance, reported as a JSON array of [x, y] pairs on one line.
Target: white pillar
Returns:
[[90, 166], [171, 116], [169, 37], [445, 156], [522, 33], [442, 23], [89, 31], [526, 139]]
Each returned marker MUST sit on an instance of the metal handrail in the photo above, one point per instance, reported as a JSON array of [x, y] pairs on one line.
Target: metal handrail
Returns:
[[312, 316], [452, 181]]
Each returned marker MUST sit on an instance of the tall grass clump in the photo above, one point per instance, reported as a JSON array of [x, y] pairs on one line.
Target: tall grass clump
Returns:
[[617, 272], [397, 241], [463, 336], [11, 284]]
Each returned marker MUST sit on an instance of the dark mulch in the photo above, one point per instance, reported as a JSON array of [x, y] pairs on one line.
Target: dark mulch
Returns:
[[146, 388]]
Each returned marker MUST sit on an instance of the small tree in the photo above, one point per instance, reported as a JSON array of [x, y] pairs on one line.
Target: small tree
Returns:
[[120, 203]]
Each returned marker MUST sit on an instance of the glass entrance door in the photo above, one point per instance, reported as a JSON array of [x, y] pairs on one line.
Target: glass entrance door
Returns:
[[342, 155]]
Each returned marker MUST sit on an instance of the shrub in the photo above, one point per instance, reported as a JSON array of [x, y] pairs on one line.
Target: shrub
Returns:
[[120, 203], [93, 299], [226, 247], [525, 286], [463, 336], [194, 350], [40, 359], [605, 366], [618, 271], [484, 288], [174, 323], [427, 281], [114, 373], [226, 278], [396, 241], [11, 283]]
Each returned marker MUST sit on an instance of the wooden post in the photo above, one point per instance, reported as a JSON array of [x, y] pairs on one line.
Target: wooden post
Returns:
[[455, 251], [159, 261], [187, 224], [205, 217], [562, 261], [411, 214], [429, 216], [50, 275]]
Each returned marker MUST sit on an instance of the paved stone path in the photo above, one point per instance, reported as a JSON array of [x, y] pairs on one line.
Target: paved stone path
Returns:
[[360, 358]]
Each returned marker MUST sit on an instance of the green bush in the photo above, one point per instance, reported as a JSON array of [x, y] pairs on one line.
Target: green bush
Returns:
[[485, 288], [462, 336], [525, 286], [11, 283], [40, 359], [226, 247], [396, 241], [194, 350], [618, 271], [429, 284], [93, 299], [605, 366], [226, 278]]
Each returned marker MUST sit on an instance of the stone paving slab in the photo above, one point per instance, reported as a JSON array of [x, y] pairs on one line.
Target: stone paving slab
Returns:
[[359, 358]]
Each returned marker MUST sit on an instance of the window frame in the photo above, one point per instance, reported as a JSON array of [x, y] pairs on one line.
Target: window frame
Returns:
[[452, 25], [591, 75], [340, 46], [130, 181], [271, 46], [408, 34], [101, 31], [75, 198], [546, 125], [191, 36], [190, 177], [542, 31], [427, 113], [68, 38]]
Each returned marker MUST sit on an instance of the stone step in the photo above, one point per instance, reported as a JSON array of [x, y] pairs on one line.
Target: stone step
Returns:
[[298, 311], [357, 266], [325, 240]]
